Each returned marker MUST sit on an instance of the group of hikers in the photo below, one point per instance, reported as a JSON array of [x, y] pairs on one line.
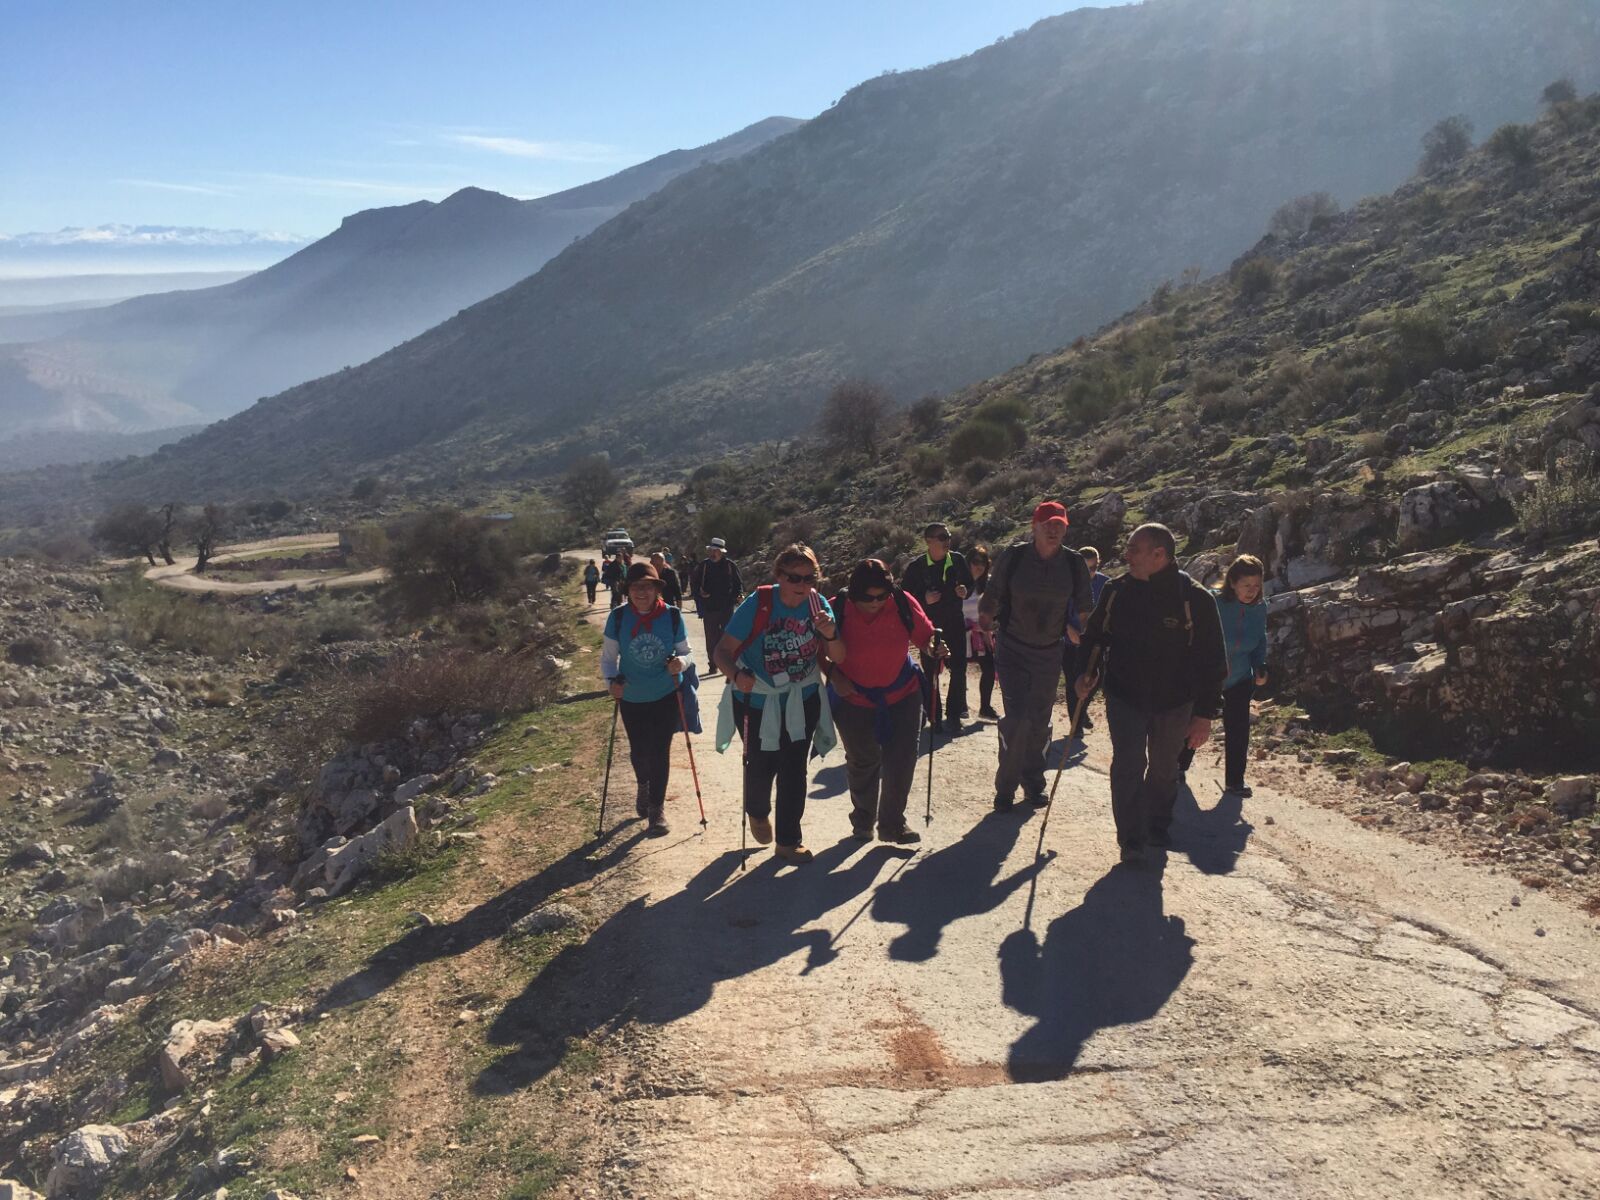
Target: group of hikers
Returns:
[[807, 671]]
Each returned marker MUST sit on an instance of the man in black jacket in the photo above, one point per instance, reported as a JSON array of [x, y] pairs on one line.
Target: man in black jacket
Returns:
[[1156, 639], [939, 580], [716, 586]]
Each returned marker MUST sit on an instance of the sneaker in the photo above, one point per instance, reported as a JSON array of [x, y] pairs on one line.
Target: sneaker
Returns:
[[796, 854], [904, 836], [988, 714], [1161, 839], [1132, 856], [1004, 804], [658, 824], [760, 829]]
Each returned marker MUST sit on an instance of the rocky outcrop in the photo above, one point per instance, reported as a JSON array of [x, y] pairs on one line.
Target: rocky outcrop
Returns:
[[82, 1159]]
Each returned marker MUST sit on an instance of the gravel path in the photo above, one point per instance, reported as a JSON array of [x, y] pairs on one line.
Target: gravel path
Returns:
[[1294, 1007], [179, 576]]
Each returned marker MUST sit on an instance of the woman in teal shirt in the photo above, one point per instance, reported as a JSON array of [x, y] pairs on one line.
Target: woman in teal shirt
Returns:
[[1243, 610], [770, 650]]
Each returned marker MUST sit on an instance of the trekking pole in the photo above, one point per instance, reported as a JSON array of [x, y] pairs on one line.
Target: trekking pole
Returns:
[[616, 710], [744, 825], [1066, 746], [933, 737], [693, 770]]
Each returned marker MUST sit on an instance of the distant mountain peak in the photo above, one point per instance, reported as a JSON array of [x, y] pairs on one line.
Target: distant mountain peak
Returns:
[[477, 197]]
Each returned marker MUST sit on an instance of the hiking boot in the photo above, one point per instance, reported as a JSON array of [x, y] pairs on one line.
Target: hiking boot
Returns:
[[760, 828], [861, 833], [1239, 790], [658, 824], [1038, 799], [904, 836], [1132, 856], [988, 714], [1004, 804], [794, 854], [952, 725]]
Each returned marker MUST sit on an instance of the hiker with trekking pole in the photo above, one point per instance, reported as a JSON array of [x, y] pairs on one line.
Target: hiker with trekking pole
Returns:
[[771, 652], [1163, 660], [1028, 602], [941, 580], [875, 692], [646, 662]]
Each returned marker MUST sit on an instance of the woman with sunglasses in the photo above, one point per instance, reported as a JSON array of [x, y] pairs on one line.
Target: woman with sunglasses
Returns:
[[771, 650], [876, 695], [980, 641]]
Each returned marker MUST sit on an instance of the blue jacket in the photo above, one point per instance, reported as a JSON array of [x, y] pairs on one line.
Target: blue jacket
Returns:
[[1244, 627]]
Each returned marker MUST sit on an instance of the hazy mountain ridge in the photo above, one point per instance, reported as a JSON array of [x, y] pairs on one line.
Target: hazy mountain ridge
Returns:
[[928, 229], [385, 275]]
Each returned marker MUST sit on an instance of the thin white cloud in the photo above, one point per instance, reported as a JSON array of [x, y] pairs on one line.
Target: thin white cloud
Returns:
[[574, 152], [324, 186], [198, 189]]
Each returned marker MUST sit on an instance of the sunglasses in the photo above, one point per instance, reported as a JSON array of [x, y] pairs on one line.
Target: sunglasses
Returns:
[[801, 579], [873, 597]]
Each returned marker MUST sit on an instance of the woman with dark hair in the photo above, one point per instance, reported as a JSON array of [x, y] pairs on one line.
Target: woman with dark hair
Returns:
[[980, 641], [1244, 624], [876, 695], [771, 651], [643, 657], [591, 579]]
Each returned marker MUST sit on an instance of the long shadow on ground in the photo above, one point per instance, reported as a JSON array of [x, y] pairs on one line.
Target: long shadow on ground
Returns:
[[1211, 838], [488, 920], [960, 880], [657, 962], [1116, 959]]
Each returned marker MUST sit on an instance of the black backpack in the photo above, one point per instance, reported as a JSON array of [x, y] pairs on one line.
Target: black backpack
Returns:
[[1011, 559], [901, 603]]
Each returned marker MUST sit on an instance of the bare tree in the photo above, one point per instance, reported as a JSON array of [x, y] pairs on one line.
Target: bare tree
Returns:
[[208, 531], [1445, 144], [854, 413]]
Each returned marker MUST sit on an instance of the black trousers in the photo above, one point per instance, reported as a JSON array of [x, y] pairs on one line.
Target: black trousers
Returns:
[[1235, 733], [591, 588], [785, 766], [955, 703], [986, 680], [715, 621], [651, 726]]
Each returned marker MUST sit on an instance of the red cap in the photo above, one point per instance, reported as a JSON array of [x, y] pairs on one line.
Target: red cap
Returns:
[[1051, 510]]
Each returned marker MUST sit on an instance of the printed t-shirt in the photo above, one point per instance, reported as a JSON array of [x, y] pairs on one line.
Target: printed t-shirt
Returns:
[[787, 651]]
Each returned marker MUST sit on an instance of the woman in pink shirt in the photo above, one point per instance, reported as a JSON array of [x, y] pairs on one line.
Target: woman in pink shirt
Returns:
[[876, 695]]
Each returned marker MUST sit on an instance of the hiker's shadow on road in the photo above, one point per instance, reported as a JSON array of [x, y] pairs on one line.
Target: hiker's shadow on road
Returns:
[[830, 782], [1116, 959], [654, 962], [485, 922], [960, 880], [1212, 839]]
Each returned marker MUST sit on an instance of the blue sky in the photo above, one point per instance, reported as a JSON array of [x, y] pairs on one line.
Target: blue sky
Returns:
[[285, 114]]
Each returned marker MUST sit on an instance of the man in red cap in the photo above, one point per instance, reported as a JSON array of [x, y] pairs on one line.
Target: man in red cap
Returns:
[[1033, 590]]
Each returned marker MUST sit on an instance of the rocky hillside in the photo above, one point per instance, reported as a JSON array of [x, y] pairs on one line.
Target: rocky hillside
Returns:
[[928, 229], [207, 920], [1399, 411], [383, 276]]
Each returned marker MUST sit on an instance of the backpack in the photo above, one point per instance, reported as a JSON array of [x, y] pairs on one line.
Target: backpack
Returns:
[[1012, 560], [763, 618], [1111, 591], [901, 603]]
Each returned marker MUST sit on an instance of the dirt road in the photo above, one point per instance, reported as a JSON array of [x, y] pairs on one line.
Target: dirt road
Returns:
[[179, 575], [1294, 1007]]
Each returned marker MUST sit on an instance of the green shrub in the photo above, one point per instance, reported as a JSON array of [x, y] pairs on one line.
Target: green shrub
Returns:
[[1566, 501], [443, 558], [926, 463], [924, 416], [982, 439], [745, 527], [1512, 145], [1579, 314], [1113, 449], [1209, 381], [138, 613], [1445, 144], [1255, 279]]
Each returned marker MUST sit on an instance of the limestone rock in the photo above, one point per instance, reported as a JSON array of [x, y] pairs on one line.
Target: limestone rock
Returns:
[[183, 1040], [546, 919], [83, 1158]]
